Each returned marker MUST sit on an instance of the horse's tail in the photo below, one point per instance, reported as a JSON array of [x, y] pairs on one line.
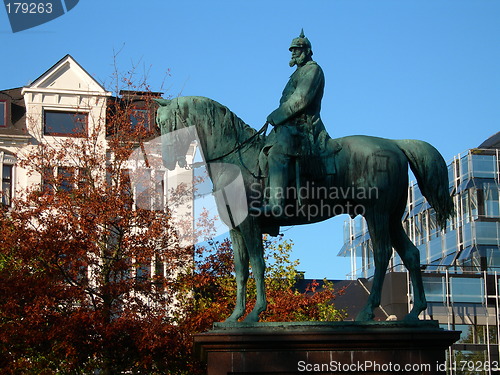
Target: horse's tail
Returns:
[[431, 172]]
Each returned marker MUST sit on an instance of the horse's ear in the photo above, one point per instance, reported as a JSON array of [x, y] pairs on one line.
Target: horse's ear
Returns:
[[163, 102]]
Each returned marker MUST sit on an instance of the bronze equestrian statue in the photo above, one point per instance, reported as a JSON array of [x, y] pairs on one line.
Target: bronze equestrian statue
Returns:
[[354, 175]]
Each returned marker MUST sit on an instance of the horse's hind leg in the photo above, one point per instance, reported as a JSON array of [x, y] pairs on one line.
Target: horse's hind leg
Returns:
[[378, 226], [411, 258], [241, 267]]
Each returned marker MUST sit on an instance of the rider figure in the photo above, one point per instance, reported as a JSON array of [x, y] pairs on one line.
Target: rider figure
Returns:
[[298, 130]]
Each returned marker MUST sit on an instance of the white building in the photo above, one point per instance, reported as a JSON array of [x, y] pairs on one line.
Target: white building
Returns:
[[66, 102]]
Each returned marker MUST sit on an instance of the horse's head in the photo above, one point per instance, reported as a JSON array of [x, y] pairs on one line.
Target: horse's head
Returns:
[[176, 134]]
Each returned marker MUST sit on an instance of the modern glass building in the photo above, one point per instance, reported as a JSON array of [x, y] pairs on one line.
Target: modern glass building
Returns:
[[460, 265]]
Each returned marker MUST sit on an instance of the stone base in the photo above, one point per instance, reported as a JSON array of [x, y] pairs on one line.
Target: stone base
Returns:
[[325, 348]]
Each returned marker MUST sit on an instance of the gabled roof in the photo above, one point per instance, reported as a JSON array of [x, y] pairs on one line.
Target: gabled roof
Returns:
[[67, 75]]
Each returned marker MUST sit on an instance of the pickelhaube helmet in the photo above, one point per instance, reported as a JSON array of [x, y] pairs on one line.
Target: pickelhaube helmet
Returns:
[[301, 42]]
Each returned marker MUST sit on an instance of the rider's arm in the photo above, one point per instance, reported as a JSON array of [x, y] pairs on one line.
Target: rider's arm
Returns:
[[308, 85]]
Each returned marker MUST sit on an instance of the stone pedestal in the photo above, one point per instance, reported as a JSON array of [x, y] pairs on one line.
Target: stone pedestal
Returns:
[[325, 348]]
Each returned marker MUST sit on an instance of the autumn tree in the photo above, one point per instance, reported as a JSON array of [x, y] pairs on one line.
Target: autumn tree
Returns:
[[85, 271]]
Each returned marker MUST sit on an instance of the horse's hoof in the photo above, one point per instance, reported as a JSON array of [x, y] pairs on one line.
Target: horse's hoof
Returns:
[[364, 317], [251, 318], [233, 318], [410, 318]]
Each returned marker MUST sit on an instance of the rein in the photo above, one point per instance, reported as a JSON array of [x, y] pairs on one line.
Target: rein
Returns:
[[240, 145]]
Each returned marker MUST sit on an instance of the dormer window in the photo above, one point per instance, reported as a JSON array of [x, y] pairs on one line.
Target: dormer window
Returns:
[[3, 113], [65, 123]]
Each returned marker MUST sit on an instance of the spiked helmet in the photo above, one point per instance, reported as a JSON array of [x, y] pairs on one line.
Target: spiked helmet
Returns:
[[301, 42]]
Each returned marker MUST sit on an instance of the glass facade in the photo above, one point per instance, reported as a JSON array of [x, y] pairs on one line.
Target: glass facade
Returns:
[[471, 241], [461, 264]]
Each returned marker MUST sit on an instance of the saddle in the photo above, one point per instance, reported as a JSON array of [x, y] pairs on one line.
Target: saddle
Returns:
[[306, 167], [303, 171]]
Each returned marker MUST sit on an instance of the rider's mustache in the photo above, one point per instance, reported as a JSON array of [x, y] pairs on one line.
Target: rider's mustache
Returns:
[[298, 60]]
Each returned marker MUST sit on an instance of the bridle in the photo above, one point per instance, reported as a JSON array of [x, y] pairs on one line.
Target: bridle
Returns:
[[238, 145]]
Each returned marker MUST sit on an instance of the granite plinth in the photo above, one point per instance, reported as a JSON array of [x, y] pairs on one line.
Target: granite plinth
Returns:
[[325, 348]]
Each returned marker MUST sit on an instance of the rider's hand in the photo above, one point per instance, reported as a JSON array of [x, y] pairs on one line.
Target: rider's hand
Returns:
[[181, 161], [270, 119], [274, 118]]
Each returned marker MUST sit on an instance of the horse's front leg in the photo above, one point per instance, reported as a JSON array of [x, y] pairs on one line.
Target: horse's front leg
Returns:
[[241, 266], [256, 252]]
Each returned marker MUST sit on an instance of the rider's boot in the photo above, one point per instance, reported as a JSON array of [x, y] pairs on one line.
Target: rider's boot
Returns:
[[278, 181]]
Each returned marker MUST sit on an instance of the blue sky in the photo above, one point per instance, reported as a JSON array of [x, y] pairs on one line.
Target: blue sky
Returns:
[[423, 69]]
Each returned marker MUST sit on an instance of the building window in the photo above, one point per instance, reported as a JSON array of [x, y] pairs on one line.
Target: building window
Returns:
[[143, 270], [65, 179], [70, 124], [435, 289], [467, 290], [48, 181], [7, 162], [484, 166], [149, 189], [3, 113], [491, 201], [6, 184], [140, 119]]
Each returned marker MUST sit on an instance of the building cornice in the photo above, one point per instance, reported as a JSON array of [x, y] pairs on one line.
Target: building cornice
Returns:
[[39, 90], [14, 140]]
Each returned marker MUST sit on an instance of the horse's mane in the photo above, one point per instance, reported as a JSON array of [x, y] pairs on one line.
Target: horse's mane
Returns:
[[190, 107]]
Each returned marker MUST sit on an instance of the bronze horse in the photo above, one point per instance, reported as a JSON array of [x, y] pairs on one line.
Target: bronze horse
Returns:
[[360, 165]]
